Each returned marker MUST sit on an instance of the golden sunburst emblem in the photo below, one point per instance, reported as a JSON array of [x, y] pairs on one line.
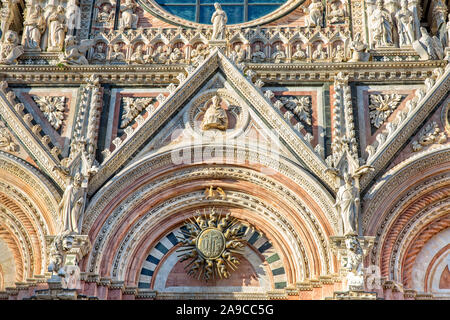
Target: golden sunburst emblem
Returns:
[[210, 244]]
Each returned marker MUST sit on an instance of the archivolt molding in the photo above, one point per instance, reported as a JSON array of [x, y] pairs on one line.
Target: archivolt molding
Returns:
[[414, 246], [426, 260], [29, 217], [13, 244], [410, 230], [406, 210], [302, 261], [16, 231], [155, 163], [42, 188], [177, 178], [428, 162], [243, 200]]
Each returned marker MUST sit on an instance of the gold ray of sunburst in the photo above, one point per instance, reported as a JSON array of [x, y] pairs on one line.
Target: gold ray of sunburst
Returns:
[[211, 244]]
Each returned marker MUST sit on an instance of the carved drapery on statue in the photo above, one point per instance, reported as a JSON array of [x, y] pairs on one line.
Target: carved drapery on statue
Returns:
[[219, 20], [211, 245]]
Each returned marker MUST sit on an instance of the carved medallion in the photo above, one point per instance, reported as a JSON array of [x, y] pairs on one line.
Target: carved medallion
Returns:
[[210, 245]]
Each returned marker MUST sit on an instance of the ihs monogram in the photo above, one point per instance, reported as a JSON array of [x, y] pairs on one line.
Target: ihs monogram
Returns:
[[211, 243]]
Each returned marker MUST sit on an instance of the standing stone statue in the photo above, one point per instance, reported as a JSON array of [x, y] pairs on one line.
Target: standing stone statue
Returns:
[[72, 203], [10, 49], [448, 31], [347, 203], [129, 19], [57, 29], [315, 14], [381, 24], [439, 27], [34, 27], [405, 25], [219, 20]]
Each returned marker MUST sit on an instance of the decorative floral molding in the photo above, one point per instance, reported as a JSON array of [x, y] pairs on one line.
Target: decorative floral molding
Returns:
[[431, 134]]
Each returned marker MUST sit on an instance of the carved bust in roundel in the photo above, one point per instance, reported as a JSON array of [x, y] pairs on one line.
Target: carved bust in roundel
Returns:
[[215, 117]]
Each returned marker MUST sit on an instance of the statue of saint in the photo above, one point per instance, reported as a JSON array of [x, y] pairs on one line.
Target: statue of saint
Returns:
[[75, 53], [427, 47], [34, 27], [337, 14], [405, 24], [381, 26], [299, 54], [319, 54], [57, 29], [438, 24], [278, 55], [258, 55], [238, 54], [219, 20], [315, 14], [128, 19], [347, 203], [72, 203], [215, 116], [138, 56]]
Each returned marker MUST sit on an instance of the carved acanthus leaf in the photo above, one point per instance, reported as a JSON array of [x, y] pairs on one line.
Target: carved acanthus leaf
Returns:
[[381, 107], [431, 134], [6, 142], [132, 107], [299, 106], [53, 109]]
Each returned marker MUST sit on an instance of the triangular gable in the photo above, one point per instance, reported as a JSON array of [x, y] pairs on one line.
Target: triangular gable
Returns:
[[132, 143], [399, 132]]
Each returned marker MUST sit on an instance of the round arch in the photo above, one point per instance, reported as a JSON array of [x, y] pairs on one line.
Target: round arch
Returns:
[[152, 191]]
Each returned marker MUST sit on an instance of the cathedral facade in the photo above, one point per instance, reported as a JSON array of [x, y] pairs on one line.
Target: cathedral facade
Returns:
[[257, 149]]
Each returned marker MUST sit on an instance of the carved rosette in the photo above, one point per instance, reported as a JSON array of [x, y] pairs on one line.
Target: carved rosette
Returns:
[[53, 109], [381, 107], [211, 245]]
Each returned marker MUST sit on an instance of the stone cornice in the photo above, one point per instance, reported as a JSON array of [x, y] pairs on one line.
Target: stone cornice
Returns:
[[357, 71], [164, 74]]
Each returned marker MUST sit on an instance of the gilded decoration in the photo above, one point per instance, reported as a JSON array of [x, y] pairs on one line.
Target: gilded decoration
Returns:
[[212, 245], [146, 82]]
